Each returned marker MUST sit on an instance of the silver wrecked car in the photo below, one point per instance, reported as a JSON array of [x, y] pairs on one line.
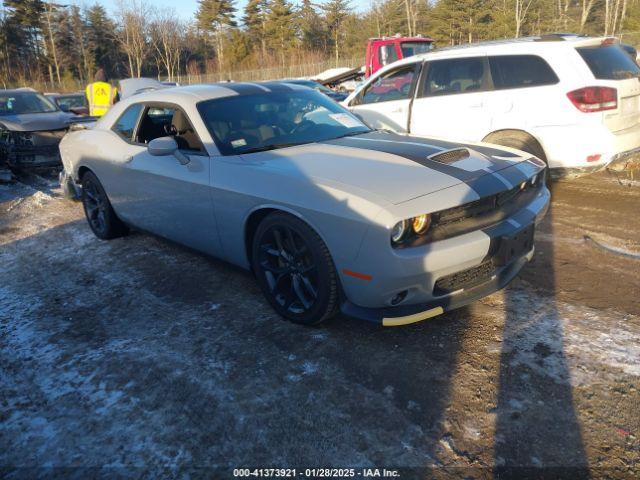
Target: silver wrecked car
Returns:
[[329, 214]]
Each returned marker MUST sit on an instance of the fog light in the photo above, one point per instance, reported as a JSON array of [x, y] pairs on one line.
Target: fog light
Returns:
[[399, 297]]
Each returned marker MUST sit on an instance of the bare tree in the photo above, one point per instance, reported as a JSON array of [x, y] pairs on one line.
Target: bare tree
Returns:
[[166, 37], [521, 9], [615, 12], [49, 11], [133, 18], [587, 6]]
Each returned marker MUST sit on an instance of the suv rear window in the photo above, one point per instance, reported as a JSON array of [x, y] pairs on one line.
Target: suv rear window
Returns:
[[609, 62], [520, 71]]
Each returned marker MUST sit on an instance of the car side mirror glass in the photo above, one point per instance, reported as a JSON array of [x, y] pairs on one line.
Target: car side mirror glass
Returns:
[[159, 147], [64, 107]]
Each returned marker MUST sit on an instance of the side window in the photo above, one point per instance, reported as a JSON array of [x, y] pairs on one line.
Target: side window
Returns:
[[395, 85], [520, 71], [125, 125], [168, 121], [387, 54], [449, 77]]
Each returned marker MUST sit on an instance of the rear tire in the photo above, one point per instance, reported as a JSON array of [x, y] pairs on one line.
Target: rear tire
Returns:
[[518, 140], [294, 269], [102, 219]]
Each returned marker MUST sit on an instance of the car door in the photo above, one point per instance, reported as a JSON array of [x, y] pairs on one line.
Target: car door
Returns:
[[450, 99], [161, 194], [385, 103]]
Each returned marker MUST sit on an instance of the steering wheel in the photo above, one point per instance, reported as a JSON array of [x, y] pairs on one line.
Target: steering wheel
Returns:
[[303, 126], [170, 130]]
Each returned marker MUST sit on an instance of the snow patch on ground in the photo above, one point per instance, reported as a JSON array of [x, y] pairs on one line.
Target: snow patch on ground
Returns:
[[569, 343]]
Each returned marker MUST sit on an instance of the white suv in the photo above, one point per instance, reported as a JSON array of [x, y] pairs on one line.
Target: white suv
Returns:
[[572, 101]]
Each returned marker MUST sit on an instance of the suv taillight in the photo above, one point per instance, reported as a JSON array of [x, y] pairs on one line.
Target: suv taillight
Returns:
[[594, 99]]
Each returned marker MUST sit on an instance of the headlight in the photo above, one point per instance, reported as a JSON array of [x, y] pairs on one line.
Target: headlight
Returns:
[[534, 180], [411, 227], [420, 224], [398, 231]]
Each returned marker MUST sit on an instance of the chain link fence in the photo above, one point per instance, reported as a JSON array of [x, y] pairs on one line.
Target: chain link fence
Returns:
[[271, 73]]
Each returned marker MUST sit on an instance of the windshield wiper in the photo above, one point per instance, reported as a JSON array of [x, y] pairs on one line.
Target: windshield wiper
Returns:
[[273, 146], [353, 134]]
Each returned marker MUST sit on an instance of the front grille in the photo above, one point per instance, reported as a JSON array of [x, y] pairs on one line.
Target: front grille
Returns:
[[450, 156], [465, 279]]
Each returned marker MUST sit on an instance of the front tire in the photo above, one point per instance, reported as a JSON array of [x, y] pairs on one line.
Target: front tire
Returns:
[[294, 269], [102, 219]]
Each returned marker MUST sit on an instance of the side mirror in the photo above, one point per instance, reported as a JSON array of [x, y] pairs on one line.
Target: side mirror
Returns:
[[163, 146], [64, 107]]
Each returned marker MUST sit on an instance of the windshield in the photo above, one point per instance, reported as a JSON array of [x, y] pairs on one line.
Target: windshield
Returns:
[[410, 49], [265, 121], [16, 103], [609, 62], [71, 101]]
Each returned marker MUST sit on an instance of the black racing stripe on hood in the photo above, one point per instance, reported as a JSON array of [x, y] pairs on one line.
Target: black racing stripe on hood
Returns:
[[514, 175], [482, 181], [438, 143]]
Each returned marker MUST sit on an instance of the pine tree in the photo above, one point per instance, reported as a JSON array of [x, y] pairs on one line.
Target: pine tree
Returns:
[[214, 16], [280, 28], [336, 12], [254, 18], [312, 34], [103, 49]]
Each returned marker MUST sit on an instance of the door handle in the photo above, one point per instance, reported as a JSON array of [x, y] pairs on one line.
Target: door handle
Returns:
[[398, 110]]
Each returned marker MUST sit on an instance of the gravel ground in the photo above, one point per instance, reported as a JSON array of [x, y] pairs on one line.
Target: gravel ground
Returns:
[[138, 358]]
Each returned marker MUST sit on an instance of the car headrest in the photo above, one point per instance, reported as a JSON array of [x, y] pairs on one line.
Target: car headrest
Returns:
[[180, 122]]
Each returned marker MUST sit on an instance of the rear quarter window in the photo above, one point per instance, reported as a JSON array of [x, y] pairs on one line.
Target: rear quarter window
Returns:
[[126, 124], [609, 62], [520, 71]]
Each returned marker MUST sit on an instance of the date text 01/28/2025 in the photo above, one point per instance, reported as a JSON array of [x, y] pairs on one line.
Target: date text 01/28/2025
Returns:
[[315, 473]]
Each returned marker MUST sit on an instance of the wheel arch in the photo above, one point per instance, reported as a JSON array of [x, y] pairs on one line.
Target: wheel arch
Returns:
[[257, 214], [517, 131], [82, 170]]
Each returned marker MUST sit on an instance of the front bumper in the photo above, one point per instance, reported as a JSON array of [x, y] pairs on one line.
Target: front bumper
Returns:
[[474, 261], [407, 314], [70, 188]]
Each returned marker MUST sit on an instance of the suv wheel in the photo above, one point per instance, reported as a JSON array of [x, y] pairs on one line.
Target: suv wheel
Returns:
[[519, 140]]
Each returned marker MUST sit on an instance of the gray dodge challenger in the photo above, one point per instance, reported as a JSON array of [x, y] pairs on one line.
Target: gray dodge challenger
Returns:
[[328, 214]]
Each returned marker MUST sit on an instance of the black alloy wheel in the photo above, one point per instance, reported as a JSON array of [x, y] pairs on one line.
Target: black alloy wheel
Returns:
[[295, 270], [102, 219]]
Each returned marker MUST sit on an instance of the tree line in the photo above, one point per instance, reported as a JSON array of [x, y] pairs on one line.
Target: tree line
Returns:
[[55, 45]]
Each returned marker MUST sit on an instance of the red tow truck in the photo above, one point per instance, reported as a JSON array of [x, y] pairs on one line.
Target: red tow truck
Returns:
[[380, 52], [386, 50]]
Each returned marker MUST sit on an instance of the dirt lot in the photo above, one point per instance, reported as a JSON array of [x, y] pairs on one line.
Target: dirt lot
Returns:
[[137, 357]]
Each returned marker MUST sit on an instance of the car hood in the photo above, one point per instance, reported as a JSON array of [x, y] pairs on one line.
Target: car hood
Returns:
[[33, 122], [399, 168]]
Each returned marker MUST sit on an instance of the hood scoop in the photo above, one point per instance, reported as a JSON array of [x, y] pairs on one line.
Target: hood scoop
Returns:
[[450, 156]]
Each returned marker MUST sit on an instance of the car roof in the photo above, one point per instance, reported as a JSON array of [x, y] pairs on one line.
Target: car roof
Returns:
[[518, 46], [200, 92], [7, 91]]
